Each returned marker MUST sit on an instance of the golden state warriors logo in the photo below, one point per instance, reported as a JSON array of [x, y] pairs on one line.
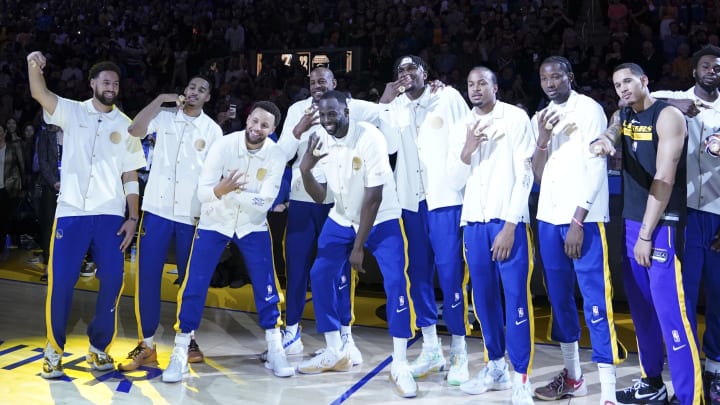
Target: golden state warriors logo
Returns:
[[200, 145], [356, 163], [22, 360], [570, 128], [436, 122], [115, 137], [58, 234], [261, 173]]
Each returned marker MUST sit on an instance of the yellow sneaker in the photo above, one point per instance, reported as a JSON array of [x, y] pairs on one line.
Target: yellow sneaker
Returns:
[[139, 356]]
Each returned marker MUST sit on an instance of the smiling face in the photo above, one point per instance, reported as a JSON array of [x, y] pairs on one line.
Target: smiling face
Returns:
[[555, 82], [321, 81], [197, 93], [106, 87], [334, 117], [259, 125], [481, 87]]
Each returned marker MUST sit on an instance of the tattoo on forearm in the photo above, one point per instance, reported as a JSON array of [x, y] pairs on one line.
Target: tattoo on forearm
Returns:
[[614, 127]]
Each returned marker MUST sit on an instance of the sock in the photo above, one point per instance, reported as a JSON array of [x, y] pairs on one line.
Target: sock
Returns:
[[498, 364], [571, 359], [520, 378], [95, 350], [273, 339], [334, 340], [430, 338], [458, 343], [712, 366], [292, 329], [192, 334], [607, 381], [345, 330], [655, 382], [399, 350], [149, 341], [182, 340], [50, 349]]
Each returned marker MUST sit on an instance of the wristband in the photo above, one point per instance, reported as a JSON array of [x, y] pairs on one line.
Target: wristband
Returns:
[[580, 224], [643, 239], [132, 219], [131, 187], [541, 148]]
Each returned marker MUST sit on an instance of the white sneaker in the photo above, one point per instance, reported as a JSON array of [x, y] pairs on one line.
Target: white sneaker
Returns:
[[52, 364], [277, 362], [178, 365], [522, 390], [489, 378], [458, 373], [292, 343], [329, 360], [430, 359], [352, 350], [401, 376]]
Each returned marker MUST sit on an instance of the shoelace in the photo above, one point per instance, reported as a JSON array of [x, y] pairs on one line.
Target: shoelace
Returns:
[[135, 352], [456, 359], [176, 355], [103, 357], [558, 383], [637, 386], [715, 384], [53, 356]]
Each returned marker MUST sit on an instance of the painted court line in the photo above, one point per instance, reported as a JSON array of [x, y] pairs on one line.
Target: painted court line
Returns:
[[369, 376]]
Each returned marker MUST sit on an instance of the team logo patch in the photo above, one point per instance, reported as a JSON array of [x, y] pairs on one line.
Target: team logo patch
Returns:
[[401, 300], [261, 173], [115, 137], [521, 312], [200, 145], [676, 336], [595, 311], [59, 234], [436, 122], [356, 163], [570, 128]]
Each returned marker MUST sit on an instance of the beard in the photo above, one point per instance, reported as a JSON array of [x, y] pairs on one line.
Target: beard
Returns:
[[254, 140], [104, 100]]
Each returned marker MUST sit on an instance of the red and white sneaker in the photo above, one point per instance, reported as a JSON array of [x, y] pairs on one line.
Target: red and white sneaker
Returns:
[[562, 386]]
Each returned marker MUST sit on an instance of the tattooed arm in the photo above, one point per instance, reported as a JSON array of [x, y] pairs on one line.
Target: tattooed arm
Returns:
[[605, 143]]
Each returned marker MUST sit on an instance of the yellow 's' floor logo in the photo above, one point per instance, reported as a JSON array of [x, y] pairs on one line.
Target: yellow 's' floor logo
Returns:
[[21, 360]]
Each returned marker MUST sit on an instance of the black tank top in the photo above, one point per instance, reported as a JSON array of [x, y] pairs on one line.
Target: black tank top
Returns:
[[640, 141]]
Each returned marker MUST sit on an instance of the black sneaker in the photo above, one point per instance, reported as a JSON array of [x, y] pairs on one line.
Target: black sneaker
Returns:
[[195, 355], [711, 382], [642, 393]]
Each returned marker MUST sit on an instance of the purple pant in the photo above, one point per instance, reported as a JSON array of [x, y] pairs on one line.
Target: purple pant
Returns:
[[657, 305]]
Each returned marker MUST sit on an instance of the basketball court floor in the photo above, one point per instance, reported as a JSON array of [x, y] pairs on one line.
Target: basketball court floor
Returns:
[[232, 343]]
